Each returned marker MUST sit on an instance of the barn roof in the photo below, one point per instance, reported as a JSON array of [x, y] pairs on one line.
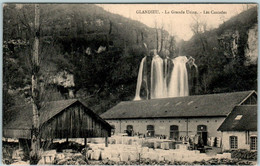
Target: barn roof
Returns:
[[21, 116], [189, 106], [242, 118]]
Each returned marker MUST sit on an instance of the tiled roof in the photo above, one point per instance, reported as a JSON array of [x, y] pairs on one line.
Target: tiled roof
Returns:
[[21, 116], [190, 106], [242, 118]]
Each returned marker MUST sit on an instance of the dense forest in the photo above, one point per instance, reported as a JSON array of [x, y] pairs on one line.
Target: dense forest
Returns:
[[95, 54]]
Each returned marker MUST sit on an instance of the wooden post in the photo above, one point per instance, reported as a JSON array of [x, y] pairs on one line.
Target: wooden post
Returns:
[[187, 128], [85, 142], [20, 143], [106, 141], [67, 140], [86, 150]]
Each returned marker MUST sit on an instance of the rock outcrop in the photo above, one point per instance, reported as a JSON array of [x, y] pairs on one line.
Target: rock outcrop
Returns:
[[251, 51]]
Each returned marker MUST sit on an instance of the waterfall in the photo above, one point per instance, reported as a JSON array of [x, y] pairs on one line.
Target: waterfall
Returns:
[[178, 85], [165, 74], [157, 80], [139, 80], [165, 80]]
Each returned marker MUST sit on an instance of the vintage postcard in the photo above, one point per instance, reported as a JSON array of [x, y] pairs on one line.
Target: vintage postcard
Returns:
[[129, 84]]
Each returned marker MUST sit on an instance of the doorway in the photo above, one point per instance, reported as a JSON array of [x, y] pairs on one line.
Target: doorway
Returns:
[[202, 131]]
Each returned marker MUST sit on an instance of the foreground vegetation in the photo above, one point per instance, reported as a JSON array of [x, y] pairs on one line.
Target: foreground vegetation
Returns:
[[239, 157], [243, 154], [213, 161]]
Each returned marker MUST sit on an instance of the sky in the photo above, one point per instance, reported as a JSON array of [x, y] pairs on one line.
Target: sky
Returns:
[[177, 24]]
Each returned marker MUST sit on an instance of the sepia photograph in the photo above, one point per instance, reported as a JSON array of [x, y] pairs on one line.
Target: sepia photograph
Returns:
[[129, 84]]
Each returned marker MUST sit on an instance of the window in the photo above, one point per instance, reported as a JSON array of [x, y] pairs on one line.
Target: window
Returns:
[[253, 143], [174, 132], [150, 131], [129, 127], [178, 103], [129, 130], [202, 128], [233, 142], [238, 117], [190, 102]]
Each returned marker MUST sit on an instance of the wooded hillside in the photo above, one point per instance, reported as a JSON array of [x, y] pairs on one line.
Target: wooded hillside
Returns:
[[96, 54]]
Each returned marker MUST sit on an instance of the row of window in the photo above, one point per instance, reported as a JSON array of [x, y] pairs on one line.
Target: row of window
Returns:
[[150, 132], [201, 129], [233, 141]]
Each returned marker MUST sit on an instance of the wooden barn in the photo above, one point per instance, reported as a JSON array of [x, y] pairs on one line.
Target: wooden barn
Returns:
[[58, 119]]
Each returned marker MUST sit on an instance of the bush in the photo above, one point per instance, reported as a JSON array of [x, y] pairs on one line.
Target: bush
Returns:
[[7, 151], [243, 154], [67, 145], [222, 161], [213, 161]]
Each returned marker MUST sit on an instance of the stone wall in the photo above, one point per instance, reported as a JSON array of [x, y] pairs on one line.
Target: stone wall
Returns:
[[162, 126], [243, 139]]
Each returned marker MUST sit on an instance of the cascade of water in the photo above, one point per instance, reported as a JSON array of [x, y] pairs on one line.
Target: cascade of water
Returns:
[[178, 85], [177, 80], [139, 80], [165, 78], [157, 83]]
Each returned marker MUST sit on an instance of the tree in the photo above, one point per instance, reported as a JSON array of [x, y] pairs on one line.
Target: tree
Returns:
[[156, 34], [34, 155], [162, 39], [172, 45], [198, 27]]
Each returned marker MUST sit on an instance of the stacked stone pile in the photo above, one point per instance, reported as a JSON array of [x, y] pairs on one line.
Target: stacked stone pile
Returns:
[[122, 152], [67, 157]]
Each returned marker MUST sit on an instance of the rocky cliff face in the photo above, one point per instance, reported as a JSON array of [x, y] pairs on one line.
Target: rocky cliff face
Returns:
[[64, 80], [229, 41], [251, 51]]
